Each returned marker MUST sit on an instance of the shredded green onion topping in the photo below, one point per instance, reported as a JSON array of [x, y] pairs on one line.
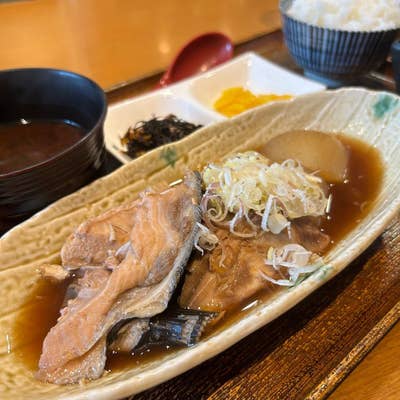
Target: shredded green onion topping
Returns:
[[249, 181]]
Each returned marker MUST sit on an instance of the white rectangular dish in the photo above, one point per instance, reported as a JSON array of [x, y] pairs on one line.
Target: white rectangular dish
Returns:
[[192, 99]]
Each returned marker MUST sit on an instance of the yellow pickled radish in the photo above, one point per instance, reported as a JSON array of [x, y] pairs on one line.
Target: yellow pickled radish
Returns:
[[235, 100]]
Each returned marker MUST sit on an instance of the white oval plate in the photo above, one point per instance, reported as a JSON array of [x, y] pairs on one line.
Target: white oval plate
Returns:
[[372, 116]]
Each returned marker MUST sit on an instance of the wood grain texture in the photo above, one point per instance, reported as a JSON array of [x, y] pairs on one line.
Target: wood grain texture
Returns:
[[378, 375], [121, 40]]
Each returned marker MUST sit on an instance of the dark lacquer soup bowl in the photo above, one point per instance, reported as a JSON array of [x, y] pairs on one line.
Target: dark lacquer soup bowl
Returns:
[[51, 135]]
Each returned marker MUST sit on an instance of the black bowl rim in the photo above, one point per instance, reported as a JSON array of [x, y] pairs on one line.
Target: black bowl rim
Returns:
[[284, 12], [77, 144]]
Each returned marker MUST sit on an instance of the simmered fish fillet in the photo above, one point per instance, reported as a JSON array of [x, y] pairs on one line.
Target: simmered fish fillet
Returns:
[[91, 364], [98, 241], [161, 230], [231, 274]]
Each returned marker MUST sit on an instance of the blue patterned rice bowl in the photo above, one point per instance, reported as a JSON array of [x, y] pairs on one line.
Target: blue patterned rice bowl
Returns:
[[334, 54]]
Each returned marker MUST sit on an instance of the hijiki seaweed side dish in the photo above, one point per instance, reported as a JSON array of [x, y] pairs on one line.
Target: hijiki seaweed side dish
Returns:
[[155, 132], [244, 225]]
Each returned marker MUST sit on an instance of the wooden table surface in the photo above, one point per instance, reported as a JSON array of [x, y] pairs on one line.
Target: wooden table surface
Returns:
[[120, 40], [123, 40]]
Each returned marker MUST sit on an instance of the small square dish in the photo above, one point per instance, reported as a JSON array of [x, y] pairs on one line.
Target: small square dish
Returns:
[[192, 99]]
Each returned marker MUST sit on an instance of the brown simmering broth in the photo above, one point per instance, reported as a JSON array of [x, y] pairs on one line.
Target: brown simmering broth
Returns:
[[35, 320], [27, 143], [352, 200]]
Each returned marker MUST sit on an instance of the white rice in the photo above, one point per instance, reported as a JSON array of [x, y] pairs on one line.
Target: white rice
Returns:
[[351, 15]]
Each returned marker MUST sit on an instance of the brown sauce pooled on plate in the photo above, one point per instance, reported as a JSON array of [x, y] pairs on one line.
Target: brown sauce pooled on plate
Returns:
[[352, 200], [36, 319], [26, 143]]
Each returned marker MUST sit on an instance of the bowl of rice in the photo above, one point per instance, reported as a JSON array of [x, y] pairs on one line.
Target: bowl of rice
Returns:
[[338, 40]]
